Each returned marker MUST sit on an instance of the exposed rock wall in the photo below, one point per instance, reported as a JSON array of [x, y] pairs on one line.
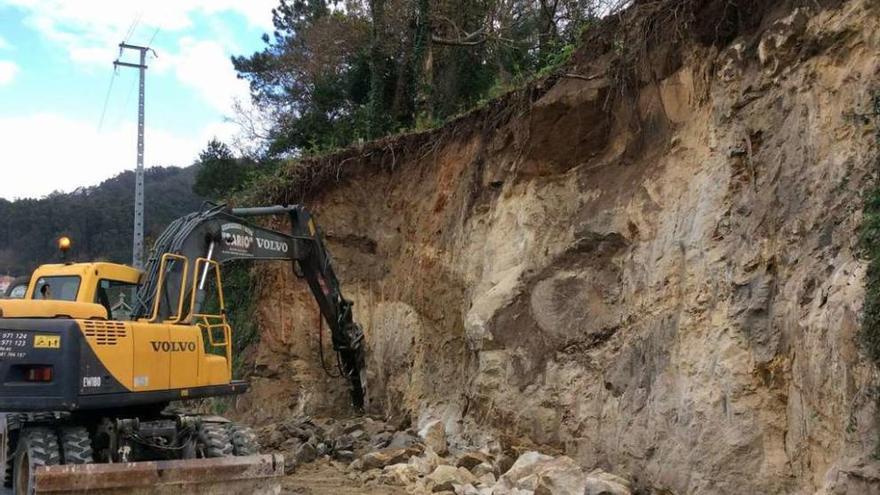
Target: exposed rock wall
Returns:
[[665, 285]]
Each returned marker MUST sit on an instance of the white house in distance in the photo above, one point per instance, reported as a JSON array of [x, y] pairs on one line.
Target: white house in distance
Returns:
[[5, 280]]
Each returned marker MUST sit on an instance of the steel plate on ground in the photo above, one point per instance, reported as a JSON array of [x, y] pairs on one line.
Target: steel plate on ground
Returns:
[[258, 474]]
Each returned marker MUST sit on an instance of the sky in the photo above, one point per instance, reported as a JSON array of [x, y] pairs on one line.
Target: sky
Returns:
[[56, 73]]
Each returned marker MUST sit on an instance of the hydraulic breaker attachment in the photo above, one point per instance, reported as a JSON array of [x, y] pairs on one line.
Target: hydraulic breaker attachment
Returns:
[[257, 474]]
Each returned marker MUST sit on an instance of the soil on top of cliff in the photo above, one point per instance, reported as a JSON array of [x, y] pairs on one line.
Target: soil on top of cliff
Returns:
[[641, 45]]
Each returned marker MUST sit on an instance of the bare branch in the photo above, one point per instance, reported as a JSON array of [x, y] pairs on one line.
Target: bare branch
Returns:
[[473, 39]]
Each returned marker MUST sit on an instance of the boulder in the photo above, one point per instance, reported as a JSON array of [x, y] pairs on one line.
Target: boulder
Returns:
[[466, 489], [381, 440], [446, 478], [434, 436], [323, 449], [503, 463], [305, 453], [289, 464], [272, 436], [344, 442], [543, 475], [373, 427], [353, 426], [561, 476], [426, 463], [399, 475], [384, 457], [598, 482], [527, 464], [483, 469], [291, 444], [402, 440], [486, 480], [343, 455], [470, 460]]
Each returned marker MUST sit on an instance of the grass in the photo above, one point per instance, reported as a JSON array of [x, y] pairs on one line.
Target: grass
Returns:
[[869, 243]]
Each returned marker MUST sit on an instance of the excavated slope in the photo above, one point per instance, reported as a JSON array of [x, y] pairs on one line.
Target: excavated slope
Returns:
[[662, 281]]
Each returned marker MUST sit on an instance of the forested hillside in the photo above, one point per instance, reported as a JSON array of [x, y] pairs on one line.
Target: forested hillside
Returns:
[[98, 219]]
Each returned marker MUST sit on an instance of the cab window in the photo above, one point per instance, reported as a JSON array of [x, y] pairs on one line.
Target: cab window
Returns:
[[116, 297], [18, 292], [57, 288]]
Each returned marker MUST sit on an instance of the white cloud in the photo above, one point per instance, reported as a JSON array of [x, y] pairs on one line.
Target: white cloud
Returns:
[[204, 66], [80, 155], [8, 71], [91, 29], [4, 44]]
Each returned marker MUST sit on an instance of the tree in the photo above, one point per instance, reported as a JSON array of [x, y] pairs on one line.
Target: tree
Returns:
[[98, 219], [219, 171], [335, 71]]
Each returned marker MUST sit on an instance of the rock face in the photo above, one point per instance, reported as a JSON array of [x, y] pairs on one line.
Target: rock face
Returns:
[[665, 284]]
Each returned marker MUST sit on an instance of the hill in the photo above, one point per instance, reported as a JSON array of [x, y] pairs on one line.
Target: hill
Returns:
[[97, 218]]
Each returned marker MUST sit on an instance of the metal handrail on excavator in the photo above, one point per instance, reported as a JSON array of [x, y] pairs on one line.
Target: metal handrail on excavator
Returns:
[[204, 320], [163, 269]]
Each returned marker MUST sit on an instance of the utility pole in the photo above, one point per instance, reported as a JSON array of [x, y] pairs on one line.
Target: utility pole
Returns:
[[137, 254]]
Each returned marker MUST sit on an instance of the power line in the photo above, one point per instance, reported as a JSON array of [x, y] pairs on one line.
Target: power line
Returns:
[[133, 27], [124, 107], [150, 43], [106, 100]]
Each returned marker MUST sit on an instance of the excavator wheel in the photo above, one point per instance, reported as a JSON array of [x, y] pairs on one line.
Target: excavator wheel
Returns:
[[9, 432], [244, 440], [214, 441], [36, 447], [76, 446], [10, 456]]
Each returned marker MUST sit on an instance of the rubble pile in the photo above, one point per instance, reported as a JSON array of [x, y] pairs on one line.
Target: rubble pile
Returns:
[[376, 453]]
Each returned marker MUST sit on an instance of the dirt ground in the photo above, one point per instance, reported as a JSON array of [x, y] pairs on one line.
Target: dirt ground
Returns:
[[326, 477]]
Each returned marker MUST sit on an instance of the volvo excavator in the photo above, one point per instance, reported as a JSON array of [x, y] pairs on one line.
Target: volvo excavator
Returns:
[[93, 390]]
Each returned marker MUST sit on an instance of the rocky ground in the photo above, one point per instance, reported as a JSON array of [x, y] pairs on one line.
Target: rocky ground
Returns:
[[367, 455]]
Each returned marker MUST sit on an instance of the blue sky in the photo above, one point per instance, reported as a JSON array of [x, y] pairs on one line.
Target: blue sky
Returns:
[[56, 66]]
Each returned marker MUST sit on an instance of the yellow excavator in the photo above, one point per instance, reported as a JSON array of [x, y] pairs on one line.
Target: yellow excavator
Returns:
[[91, 386]]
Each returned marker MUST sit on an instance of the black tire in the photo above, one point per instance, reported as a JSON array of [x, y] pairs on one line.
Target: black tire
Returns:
[[213, 441], [76, 446], [36, 447], [9, 436], [243, 438], [10, 456]]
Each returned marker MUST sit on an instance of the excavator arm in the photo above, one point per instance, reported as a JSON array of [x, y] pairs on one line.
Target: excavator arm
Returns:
[[223, 235]]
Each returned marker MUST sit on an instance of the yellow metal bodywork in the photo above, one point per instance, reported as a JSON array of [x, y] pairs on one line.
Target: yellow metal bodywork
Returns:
[[145, 355], [27, 308], [89, 274]]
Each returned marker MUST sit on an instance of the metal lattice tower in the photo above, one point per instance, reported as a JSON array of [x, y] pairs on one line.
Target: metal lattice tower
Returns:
[[137, 254]]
